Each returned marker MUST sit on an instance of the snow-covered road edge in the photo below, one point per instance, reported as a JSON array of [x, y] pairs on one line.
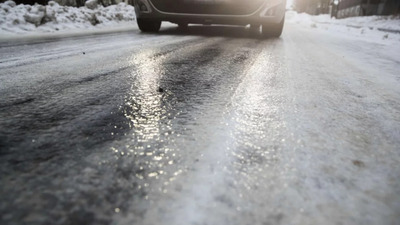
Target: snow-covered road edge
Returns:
[[120, 27], [53, 19], [379, 29], [383, 23]]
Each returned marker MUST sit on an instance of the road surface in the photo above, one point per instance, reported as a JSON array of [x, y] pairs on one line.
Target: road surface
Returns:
[[209, 126]]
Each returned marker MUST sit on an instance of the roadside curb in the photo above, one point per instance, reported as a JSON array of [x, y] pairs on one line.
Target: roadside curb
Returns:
[[124, 27]]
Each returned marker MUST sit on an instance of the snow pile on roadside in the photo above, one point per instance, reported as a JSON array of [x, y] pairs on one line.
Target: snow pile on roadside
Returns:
[[53, 17], [375, 22], [375, 27], [299, 18]]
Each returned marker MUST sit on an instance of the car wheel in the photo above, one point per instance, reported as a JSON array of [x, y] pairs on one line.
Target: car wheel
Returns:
[[148, 25], [273, 29]]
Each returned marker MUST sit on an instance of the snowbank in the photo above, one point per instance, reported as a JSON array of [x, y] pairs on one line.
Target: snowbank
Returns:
[[371, 27], [374, 22], [21, 19]]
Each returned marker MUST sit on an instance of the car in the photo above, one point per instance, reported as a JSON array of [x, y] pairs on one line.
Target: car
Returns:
[[269, 14]]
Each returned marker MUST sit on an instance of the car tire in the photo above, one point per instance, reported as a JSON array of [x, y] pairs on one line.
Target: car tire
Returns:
[[273, 30], [148, 25]]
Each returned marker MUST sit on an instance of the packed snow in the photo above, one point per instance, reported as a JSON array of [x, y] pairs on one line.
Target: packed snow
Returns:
[[24, 19], [374, 28], [376, 22]]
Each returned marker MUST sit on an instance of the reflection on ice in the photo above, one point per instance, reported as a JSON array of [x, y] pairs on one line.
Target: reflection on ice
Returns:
[[144, 108], [148, 150]]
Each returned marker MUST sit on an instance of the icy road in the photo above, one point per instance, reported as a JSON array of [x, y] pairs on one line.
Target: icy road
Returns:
[[210, 126]]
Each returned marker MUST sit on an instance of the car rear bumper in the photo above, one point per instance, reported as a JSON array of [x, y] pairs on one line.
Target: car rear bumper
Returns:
[[271, 11]]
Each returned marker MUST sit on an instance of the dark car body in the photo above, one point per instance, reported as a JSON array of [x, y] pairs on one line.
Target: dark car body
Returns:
[[268, 13]]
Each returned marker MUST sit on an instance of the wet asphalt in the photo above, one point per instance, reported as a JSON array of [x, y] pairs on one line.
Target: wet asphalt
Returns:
[[213, 125]]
